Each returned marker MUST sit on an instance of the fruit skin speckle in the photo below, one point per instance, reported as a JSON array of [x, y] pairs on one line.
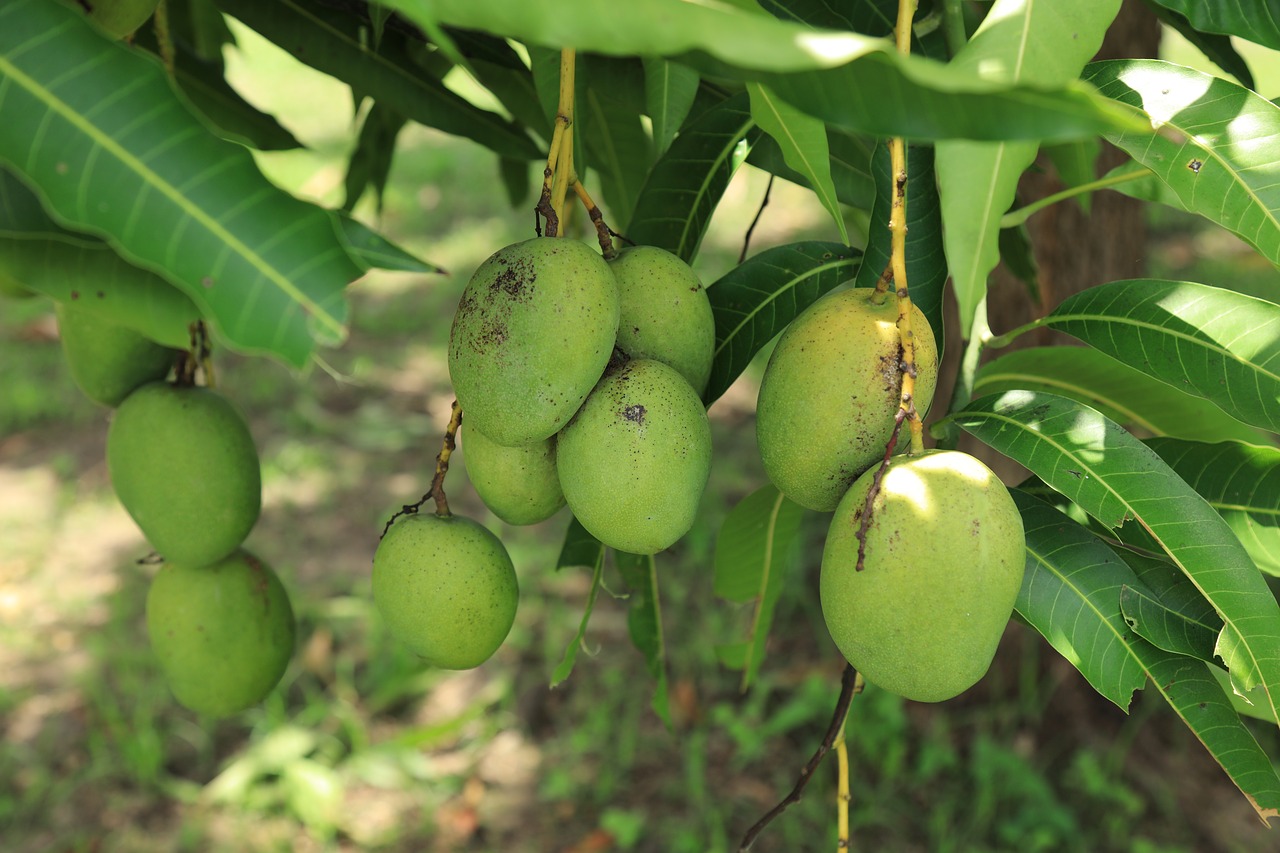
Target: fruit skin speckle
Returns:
[[944, 562], [533, 332], [446, 588]]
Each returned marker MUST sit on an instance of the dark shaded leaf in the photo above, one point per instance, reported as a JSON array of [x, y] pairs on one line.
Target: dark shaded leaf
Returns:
[[644, 621]]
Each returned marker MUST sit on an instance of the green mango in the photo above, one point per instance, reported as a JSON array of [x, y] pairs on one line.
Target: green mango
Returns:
[[11, 288], [635, 460], [943, 565], [446, 588], [183, 464], [665, 312], [519, 484], [107, 360], [830, 392], [534, 330], [223, 633], [119, 18]]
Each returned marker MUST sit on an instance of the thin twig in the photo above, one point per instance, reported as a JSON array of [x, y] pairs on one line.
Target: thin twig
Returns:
[[437, 482], [850, 684], [764, 202], [597, 218]]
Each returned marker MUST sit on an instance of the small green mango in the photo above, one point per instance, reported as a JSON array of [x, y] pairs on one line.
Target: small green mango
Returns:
[[665, 312], [533, 332], [943, 565], [830, 391], [108, 361], [223, 633], [519, 484], [119, 18], [635, 460], [183, 464], [446, 588]]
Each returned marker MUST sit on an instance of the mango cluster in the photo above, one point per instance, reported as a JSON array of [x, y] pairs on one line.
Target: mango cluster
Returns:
[[580, 380], [184, 465], [918, 580]]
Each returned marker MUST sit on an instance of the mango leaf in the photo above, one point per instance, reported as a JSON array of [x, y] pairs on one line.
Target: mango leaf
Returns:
[[1252, 20], [686, 183], [23, 216], [1240, 704], [931, 100], [1114, 477], [755, 549], [96, 279], [1076, 163], [1214, 343], [565, 667], [977, 180], [330, 40], [926, 261], [580, 548], [1216, 46], [370, 249], [507, 77], [369, 165], [119, 155], [1213, 146], [619, 149], [669, 90], [1125, 395], [1070, 594], [1166, 610], [756, 300], [850, 165], [644, 621], [803, 142], [1242, 482]]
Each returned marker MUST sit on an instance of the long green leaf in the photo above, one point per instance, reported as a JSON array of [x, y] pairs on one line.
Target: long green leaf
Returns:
[[1127, 396], [1166, 609], [1214, 147], [1217, 344], [330, 41], [1070, 594], [850, 166], [977, 180], [926, 260], [565, 668], [755, 549], [1242, 482], [619, 149], [1216, 46], [96, 127], [370, 249], [669, 89], [803, 141], [96, 279], [686, 183], [1252, 20], [1114, 477], [756, 300], [644, 621]]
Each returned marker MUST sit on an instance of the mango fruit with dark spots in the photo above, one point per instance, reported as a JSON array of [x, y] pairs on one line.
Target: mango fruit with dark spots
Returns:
[[223, 633], [945, 554], [519, 484], [183, 464], [831, 389], [446, 588], [635, 460], [533, 332], [665, 312], [109, 361]]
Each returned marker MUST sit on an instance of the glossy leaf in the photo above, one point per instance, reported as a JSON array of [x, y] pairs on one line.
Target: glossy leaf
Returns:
[[755, 550], [669, 89], [119, 155], [1214, 343], [1114, 477], [1213, 148], [644, 621], [93, 277], [1251, 20], [803, 142], [1166, 610], [686, 183], [1127, 396], [580, 548], [756, 300], [977, 180], [330, 41], [850, 165], [370, 249], [1242, 482], [1070, 594], [1216, 46], [926, 261], [565, 667], [619, 150]]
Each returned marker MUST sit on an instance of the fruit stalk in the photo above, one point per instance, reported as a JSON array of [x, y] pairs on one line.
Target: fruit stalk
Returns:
[[597, 219], [842, 791], [558, 174], [442, 461]]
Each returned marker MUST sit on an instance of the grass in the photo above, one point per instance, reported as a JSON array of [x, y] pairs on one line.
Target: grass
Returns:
[[362, 747]]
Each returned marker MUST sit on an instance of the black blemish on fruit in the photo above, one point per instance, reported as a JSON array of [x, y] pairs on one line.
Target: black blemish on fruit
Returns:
[[75, 294], [516, 281], [635, 414]]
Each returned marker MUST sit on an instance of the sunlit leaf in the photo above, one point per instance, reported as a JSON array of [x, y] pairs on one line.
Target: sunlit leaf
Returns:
[[850, 165], [1166, 609], [644, 621], [1214, 45], [1252, 20]]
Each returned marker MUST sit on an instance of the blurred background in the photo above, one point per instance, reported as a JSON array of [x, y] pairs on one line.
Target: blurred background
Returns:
[[362, 748]]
